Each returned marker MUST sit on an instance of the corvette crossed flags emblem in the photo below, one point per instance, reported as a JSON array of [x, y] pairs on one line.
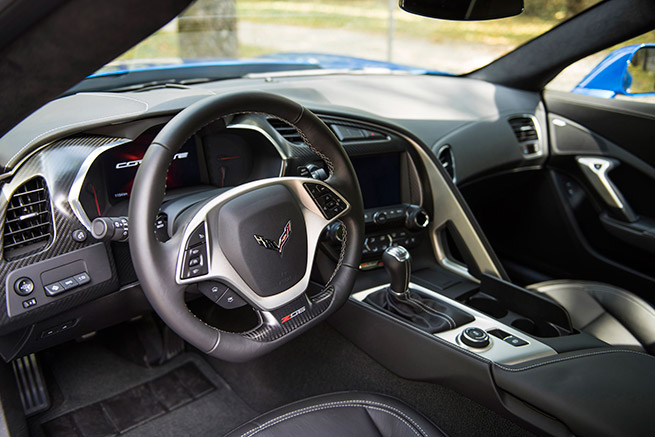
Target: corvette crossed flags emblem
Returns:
[[281, 242]]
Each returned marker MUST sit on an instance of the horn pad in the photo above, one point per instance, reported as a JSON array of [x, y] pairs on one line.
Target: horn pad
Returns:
[[262, 234]]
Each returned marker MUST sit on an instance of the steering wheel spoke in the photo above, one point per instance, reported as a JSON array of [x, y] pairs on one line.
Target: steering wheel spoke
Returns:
[[268, 228]]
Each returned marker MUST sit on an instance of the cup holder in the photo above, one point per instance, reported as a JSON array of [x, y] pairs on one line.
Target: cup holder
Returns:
[[490, 307], [538, 329]]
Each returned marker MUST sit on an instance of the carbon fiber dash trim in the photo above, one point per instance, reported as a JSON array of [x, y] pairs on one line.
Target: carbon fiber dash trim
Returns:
[[58, 164]]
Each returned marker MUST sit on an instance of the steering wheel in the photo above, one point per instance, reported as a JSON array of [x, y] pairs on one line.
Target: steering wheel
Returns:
[[259, 239]]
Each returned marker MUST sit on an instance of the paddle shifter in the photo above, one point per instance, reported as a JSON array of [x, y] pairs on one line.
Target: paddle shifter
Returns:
[[423, 311], [398, 264]]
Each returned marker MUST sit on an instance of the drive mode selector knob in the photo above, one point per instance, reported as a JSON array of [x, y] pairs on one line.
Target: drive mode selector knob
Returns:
[[475, 337]]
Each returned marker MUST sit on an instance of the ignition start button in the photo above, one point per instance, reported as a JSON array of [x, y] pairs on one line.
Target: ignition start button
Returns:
[[475, 337]]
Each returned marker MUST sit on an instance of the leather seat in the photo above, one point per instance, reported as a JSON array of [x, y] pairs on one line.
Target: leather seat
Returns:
[[611, 314], [341, 414]]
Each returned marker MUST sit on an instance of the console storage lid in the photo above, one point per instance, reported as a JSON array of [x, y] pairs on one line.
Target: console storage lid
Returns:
[[596, 392]]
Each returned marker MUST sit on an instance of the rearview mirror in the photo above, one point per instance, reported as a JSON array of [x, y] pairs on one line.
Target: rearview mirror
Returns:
[[639, 77], [463, 10]]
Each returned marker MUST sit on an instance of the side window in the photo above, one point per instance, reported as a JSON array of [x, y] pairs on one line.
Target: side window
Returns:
[[625, 71]]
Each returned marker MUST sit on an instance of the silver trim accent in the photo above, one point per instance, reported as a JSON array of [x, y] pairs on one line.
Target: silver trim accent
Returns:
[[498, 351], [449, 209], [78, 182], [398, 252], [596, 169], [220, 268], [540, 147], [280, 151], [425, 222]]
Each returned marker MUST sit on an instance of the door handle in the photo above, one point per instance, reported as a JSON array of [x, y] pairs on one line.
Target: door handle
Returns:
[[595, 169]]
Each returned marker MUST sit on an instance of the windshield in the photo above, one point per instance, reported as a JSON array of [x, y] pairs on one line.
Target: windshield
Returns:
[[338, 34]]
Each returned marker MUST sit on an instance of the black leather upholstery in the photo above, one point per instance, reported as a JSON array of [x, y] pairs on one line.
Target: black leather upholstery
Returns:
[[609, 313], [341, 414], [597, 392]]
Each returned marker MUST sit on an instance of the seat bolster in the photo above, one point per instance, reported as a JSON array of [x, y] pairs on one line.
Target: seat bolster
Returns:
[[611, 314], [344, 414]]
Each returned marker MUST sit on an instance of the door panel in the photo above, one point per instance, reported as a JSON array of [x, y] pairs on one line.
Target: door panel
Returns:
[[560, 222]]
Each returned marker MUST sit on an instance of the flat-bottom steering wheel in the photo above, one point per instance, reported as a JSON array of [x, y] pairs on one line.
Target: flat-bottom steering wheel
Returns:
[[259, 239]]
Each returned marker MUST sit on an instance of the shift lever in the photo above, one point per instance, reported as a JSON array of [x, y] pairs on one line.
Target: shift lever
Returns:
[[398, 264], [423, 311]]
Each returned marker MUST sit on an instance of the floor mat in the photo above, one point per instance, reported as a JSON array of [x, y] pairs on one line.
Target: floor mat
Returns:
[[97, 393]]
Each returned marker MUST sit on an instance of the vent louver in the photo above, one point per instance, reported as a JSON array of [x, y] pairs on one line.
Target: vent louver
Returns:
[[447, 159], [345, 131], [288, 132], [524, 129], [28, 222]]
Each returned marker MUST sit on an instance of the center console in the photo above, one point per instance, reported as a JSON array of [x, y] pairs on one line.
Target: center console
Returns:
[[457, 322]]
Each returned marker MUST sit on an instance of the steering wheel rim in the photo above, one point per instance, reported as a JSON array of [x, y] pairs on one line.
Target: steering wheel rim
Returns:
[[154, 260]]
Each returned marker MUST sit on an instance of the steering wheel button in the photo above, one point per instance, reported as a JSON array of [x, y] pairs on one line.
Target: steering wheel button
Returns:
[[196, 251], [194, 262], [230, 300], [197, 236]]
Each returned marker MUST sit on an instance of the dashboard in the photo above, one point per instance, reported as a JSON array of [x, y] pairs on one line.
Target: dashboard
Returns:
[[86, 164]]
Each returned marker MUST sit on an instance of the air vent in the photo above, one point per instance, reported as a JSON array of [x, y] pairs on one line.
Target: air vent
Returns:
[[28, 222], [447, 159], [524, 129], [287, 131], [526, 133], [344, 130]]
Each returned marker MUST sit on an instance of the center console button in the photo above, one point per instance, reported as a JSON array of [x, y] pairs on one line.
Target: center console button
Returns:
[[515, 341], [475, 337]]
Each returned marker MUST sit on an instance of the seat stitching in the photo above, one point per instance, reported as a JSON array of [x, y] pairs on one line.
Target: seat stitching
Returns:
[[514, 369], [300, 413], [352, 403]]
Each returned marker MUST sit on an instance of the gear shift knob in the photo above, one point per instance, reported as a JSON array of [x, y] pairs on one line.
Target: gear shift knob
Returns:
[[398, 264]]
